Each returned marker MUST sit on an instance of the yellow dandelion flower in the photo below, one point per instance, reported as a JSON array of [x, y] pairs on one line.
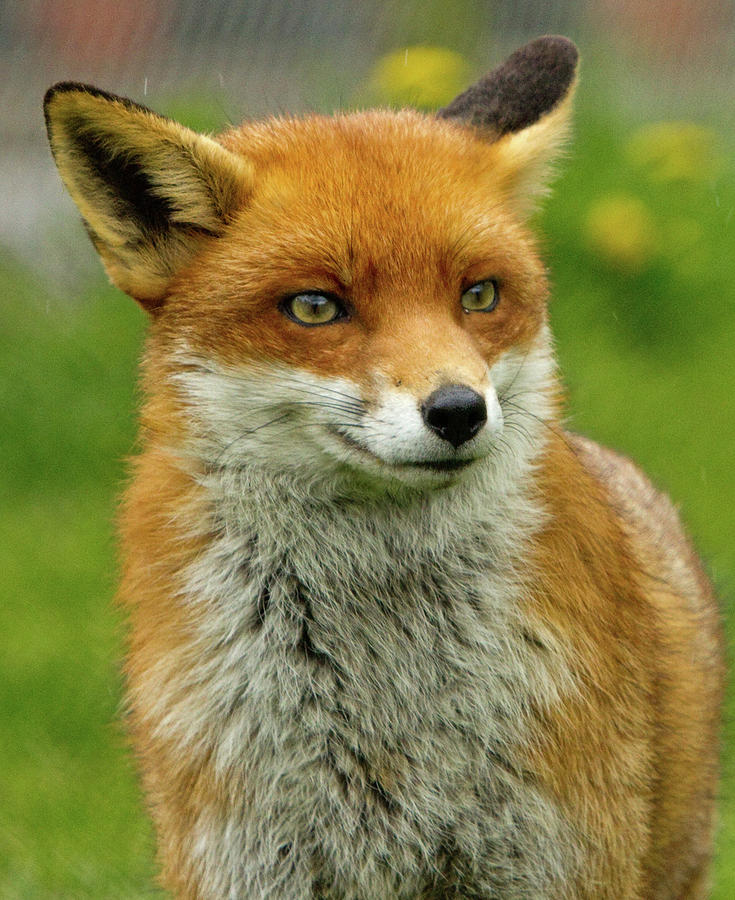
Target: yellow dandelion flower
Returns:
[[676, 151], [622, 231], [423, 77]]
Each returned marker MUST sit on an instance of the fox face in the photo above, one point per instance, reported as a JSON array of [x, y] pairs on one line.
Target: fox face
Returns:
[[385, 349], [355, 298]]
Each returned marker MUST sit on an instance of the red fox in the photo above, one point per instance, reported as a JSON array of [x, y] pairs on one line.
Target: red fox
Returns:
[[394, 632]]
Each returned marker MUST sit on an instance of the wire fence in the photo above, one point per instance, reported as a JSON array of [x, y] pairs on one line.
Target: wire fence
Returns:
[[238, 59]]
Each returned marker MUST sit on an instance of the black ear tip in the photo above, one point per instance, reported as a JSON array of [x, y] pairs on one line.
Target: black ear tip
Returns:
[[89, 90], [68, 87], [556, 46], [553, 54], [527, 86], [55, 89]]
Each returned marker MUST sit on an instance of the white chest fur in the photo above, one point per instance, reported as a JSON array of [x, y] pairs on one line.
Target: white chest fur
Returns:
[[365, 685]]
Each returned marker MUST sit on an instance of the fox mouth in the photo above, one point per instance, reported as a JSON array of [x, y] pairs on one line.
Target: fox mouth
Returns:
[[448, 465], [439, 465]]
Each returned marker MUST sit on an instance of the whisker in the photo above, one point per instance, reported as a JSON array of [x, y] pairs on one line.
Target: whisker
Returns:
[[521, 393], [296, 385], [349, 425], [277, 432], [521, 364], [519, 429], [517, 408], [327, 404], [250, 431], [351, 409], [552, 427]]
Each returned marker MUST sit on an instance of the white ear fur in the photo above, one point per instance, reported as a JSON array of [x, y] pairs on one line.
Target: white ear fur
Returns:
[[149, 189]]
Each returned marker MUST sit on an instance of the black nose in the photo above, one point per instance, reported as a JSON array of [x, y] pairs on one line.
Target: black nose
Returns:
[[455, 412]]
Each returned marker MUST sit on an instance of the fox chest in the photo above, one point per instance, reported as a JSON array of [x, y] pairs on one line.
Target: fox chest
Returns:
[[379, 734]]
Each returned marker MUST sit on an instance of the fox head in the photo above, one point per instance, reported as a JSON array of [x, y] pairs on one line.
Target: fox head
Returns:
[[352, 298]]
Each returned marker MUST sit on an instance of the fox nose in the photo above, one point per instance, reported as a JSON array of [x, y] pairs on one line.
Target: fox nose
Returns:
[[455, 412]]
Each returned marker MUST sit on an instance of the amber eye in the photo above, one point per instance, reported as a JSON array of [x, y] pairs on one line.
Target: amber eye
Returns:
[[313, 309], [481, 297]]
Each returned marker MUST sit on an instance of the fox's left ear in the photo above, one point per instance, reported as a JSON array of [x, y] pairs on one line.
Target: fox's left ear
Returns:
[[523, 107]]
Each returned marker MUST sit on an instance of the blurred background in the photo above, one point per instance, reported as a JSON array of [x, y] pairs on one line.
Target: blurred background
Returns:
[[639, 236]]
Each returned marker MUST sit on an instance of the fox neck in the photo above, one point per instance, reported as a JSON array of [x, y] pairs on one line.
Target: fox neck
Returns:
[[364, 542]]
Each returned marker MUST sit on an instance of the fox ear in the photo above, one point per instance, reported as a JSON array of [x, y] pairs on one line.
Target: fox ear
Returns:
[[150, 190], [524, 107]]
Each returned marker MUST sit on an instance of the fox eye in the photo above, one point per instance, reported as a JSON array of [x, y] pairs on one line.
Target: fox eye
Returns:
[[313, 309], [481, 297]]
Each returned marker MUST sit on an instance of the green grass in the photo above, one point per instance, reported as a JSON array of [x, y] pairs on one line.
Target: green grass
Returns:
[[71, 822], [647, 356]]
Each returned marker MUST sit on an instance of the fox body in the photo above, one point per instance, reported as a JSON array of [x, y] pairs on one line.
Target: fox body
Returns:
[[394, 632]]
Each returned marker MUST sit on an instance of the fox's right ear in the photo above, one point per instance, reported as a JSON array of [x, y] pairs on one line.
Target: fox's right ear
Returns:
[[149, 189], [523, 108]]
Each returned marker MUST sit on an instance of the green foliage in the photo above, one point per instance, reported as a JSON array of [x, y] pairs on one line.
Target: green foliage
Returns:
[[645, 340]]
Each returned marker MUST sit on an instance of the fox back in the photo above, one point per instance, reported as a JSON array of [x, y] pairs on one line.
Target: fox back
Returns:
[[393, 631]]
